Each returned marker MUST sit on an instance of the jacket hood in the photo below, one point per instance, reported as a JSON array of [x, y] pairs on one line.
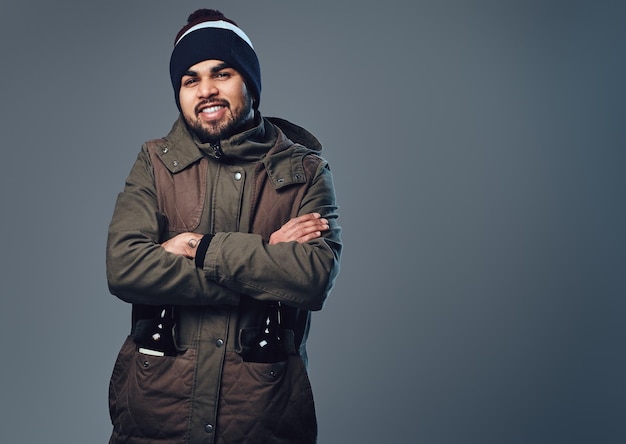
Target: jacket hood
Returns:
[[296, 133]]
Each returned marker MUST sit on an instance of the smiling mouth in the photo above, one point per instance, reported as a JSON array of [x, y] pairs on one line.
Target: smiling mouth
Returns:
[[212, 109]]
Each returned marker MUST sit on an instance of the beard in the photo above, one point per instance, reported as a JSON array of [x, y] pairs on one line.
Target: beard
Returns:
[[213, 132]]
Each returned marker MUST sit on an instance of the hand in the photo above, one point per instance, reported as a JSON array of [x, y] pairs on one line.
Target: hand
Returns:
[[184, 244], [300, 229]]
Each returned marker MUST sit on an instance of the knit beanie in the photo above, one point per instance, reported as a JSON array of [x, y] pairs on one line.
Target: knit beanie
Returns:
[[208, 35]]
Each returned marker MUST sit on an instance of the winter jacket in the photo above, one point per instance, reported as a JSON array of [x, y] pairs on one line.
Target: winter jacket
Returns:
[[240, 190]]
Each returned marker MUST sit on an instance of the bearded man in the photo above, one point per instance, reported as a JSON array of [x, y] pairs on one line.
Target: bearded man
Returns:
[[223, 241]]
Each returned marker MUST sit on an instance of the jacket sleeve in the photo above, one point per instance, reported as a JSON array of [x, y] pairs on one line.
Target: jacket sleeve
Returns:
[[139, 270], [300, 275]]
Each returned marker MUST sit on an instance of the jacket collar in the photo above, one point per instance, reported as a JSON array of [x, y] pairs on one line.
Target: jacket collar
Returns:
[[267, 142]]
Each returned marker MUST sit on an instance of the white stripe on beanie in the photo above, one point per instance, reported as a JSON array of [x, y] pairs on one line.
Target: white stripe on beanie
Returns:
[[217, 24]]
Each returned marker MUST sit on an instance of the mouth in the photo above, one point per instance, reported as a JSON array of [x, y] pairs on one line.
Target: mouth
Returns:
[[208, 109], [211, 109]]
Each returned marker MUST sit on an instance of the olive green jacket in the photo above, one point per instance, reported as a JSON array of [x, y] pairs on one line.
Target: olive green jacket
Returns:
[[241, 192]]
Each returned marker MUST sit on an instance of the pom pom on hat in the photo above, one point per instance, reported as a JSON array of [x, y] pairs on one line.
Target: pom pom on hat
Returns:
[[199, 16]]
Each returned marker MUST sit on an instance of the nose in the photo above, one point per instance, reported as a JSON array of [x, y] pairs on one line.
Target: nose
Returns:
[[206, 88]]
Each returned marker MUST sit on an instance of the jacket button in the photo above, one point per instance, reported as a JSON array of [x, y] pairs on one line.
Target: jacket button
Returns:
[[208, 428], [219, 342], [237, 176], [175, 163]]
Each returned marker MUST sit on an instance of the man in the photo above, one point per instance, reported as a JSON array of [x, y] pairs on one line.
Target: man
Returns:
[[224, 239]]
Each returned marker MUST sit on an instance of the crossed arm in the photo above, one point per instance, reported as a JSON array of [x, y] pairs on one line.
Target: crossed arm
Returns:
[[300, 229]]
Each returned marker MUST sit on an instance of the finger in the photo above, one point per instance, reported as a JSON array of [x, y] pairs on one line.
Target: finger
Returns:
[[308, 237], [299, 219], [314, 224], [310, 230], [307, 228]]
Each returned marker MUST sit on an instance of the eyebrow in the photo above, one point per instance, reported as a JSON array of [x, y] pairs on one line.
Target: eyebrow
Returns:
[[214, 69], [219, 67]]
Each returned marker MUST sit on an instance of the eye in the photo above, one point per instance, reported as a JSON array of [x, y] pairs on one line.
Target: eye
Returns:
[[188, 81], [223, 75]]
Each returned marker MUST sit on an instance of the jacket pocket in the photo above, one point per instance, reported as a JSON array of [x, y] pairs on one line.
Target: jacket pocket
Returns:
[[150, 396], [266, 402]]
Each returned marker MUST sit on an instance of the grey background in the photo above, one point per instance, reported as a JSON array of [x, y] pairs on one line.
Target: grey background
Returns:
[[478, 152]]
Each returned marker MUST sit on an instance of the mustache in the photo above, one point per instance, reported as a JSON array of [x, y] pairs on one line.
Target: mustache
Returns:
[[211, 102]]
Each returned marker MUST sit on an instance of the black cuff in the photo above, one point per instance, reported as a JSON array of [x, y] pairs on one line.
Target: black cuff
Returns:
[[203, 246]]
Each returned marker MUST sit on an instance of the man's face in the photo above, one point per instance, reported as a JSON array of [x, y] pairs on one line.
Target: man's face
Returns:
[[214, 101]]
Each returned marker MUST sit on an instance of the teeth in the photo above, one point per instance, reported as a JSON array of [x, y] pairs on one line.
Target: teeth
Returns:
[[211, 109]]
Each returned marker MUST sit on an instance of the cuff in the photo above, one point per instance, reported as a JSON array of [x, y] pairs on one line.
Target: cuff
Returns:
[[203, 246]]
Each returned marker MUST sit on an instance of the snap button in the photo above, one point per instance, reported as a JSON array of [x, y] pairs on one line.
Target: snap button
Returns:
[[237, 175], [219, 342], [208, 428], [165, 150], [175, 163]]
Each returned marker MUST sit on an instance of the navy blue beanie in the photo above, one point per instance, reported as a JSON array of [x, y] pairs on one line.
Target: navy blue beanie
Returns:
[[209, 35]]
